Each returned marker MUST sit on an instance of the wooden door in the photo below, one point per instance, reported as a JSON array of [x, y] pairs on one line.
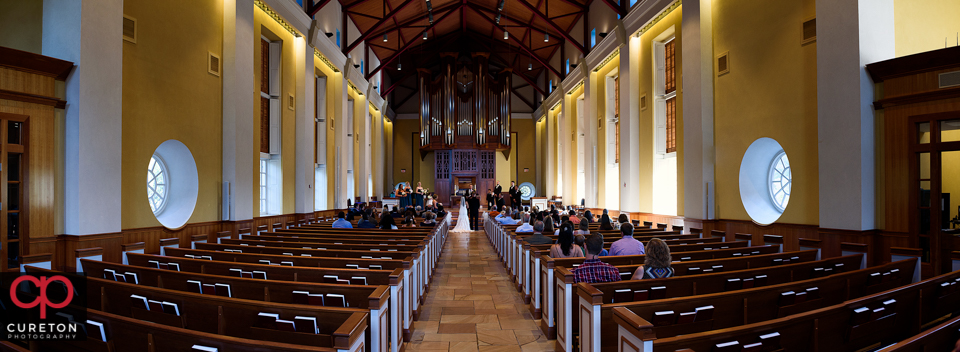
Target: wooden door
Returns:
[[935, 189]]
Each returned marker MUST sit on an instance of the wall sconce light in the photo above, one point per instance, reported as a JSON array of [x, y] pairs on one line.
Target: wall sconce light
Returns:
[[329, 34], [602, 35]]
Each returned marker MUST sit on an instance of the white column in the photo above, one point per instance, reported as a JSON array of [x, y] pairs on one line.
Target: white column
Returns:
[[699, 150], [238, 116], [851, 34], [340, 194], [364, 150], [90, 35], [589, 137], [549, 133], [630, 125], [305, 139]]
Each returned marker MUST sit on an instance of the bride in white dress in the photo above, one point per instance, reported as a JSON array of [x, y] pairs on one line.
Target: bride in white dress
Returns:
[[463, 219]]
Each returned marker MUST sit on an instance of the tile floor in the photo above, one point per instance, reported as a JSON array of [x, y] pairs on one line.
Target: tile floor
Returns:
[[473, 305]]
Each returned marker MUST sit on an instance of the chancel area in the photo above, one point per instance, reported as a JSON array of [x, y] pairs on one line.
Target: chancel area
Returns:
[[479, 175]]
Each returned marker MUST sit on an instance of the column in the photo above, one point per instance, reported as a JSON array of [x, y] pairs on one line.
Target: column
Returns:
[[589, 136], [305, 139], [90, 35], [850, 34], [699, 149], [339, 140], [238, 116], [364, 168], [629, 125]]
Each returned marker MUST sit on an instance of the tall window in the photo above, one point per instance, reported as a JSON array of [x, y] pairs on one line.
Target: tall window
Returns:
[[157, 184], [781, 181], [670, 90], [270, 115], [263, 186]]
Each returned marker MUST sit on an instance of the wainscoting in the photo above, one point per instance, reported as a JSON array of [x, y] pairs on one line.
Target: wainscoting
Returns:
[[64, 247]]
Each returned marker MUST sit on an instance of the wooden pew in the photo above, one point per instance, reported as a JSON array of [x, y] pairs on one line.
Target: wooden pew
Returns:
[[399, 295], [942, 337], [221, 315], [377, 299], [126, 334], [766, 274], [411, 274], [907, 310], [734, 308], [341, 240], [548, 286], [311, 244]]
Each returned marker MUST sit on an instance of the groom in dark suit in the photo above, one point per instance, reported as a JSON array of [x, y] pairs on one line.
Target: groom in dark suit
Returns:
[[473, 203]]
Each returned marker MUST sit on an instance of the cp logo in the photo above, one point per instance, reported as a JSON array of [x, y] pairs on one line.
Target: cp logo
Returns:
[[43, 301]]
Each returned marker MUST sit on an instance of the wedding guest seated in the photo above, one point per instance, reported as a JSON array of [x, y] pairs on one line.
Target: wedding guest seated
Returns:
[[573, 217], [565, 248], [583, 228], [440, 212], [409, 222], [525, 225], [341, 223], [388, 223], [395, 213], [548, 227], [622, 219], [494, 213], [589, 217], [626, 245], [429, 220], [365, 222], [593, 270], [657, 263], [581, 239], [538, 237], [605, 223], [506, 219]]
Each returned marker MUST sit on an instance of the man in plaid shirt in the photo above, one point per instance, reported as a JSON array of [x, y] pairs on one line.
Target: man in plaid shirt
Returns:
[[593, 270]]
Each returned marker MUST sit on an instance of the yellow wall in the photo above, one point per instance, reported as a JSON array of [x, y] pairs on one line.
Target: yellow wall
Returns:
[[404, 155], [389, 157], [525, 150], [266, 26], [769, 92], [598, 81], [645, 70], [359, 114], [923, 25], [21, 24], [168, 94], [554, 148]]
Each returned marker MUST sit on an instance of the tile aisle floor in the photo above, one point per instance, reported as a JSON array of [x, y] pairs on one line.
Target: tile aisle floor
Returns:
[[472, 304]]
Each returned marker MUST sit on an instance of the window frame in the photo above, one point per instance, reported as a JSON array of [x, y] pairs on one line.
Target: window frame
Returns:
[[157, 160], [787, 187]]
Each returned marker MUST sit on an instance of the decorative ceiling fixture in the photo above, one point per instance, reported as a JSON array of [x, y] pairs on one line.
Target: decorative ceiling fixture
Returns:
[[399, 66], [529, 67], [424, 35], [546, 37], [506, 35], [384, 38]]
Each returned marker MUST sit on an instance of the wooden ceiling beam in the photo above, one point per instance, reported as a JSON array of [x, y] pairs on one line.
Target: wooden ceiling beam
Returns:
[[493, 12], [409, 21], [312, 11], [407, 46], [354, 4], [519, 43], [524, 100], [379, 23], [553, 25]]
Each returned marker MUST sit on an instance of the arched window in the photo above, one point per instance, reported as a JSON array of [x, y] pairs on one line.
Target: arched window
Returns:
[[157, 183], [780, 181]]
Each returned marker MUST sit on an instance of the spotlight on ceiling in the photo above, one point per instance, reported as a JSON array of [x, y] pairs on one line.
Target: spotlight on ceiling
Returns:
[[529, 67], [506, 35], [424, 35], [399, 67], [384, 38], [546, 37]]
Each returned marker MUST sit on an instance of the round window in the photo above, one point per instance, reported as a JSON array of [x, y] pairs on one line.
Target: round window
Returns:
[[766, 181], [527, 190], [780, 181], [157, 182]]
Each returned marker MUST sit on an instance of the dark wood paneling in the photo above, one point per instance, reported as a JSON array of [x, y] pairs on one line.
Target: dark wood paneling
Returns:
[[34, 63]]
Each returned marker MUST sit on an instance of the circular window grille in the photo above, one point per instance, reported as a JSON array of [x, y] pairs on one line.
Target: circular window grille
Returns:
[[780, 181], [157, 183], [527, 190]]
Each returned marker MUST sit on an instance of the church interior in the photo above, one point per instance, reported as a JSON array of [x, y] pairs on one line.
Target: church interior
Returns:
[[480, 175]]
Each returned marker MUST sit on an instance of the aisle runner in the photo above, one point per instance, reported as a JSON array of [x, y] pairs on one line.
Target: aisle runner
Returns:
[[472, 304]]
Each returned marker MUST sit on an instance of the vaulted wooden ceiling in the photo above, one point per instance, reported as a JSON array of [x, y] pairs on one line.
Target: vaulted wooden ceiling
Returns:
[[465, 26]]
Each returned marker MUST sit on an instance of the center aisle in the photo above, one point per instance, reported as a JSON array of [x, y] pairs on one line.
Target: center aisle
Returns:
[[473, 305]]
